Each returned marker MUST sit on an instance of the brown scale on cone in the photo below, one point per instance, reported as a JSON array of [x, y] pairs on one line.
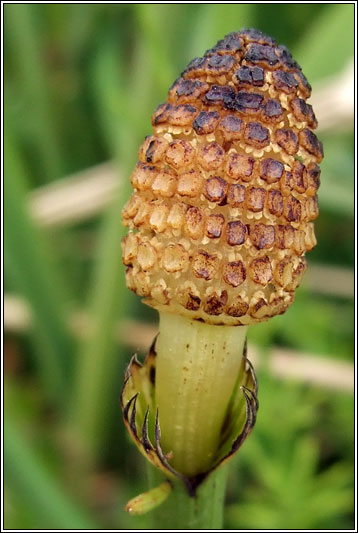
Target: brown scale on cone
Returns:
[[225, 189]]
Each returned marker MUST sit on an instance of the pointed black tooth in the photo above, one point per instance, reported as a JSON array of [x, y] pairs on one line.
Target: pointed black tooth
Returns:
[[133, 361], [249, 423], [249, 364], [128, 406], [253, 376], [161, 456], [248, 395], [145, 439], [244, 352], [251, 403], [132, 422], [125, 411], [246, 390], [157, 429], [252, 398], [255, 402], [251, 409], [127, 377], [158, 447], [248, 407], [152, 349]]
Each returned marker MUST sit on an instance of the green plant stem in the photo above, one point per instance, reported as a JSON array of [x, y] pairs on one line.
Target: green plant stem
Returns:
[[197, 366], [181, 511]]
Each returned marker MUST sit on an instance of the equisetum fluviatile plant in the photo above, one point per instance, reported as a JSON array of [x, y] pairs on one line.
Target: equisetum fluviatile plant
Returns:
[[221, 215]]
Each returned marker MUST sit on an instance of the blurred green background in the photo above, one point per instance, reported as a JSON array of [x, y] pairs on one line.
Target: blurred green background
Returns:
[[81, 82]]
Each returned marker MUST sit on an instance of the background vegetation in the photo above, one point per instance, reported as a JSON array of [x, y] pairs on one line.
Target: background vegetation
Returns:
[[81, 81]]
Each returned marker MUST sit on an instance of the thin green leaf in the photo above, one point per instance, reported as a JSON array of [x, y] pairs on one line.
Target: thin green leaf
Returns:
[[336, 192], [214, 21], [26, 473], [27, 62], [32, 271], [96, 387], [150, 17], [328, 44]]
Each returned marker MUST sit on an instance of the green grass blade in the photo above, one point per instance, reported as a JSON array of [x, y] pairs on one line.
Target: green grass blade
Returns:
[[328, 45], [149, 18], [27, 62], [214, 21], [96, 389], [26, 473], [337, 183], [32, 272]]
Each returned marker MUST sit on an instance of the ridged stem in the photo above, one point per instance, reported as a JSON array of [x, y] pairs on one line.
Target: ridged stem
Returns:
[[183, 512], [197, 366]]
